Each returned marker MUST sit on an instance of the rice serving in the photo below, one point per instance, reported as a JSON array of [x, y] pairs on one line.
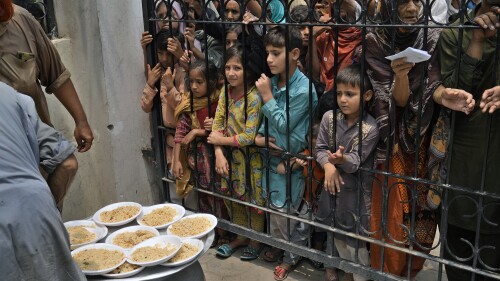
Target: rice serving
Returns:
[[159, 216], [80, 235], [119, 214], [98, 259], [186, 251], [130, 239], [152, 253], [190, 226], [124, 268]]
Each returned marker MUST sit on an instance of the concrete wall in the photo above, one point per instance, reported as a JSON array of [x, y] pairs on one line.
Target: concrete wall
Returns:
[[100, 46]]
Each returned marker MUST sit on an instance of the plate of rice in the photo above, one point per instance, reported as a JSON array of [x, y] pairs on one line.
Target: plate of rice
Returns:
[[84, 232], [124, 270], [118, 213], [131, 236], [154, 251], [189, 250], [100, 258], [161, 215], [193, 226]]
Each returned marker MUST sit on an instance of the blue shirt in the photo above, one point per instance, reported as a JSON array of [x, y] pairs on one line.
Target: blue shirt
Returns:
[[275, 111]]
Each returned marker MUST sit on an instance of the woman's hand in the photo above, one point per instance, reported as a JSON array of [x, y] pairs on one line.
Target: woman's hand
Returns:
[[401, 67], [189, 138], [215, 138], [207, 123]]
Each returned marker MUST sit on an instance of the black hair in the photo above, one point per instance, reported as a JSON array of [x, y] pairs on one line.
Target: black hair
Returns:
[[236, 51], [211, 73], [236, 28], [276, 37], [300, 14], [326, 102], [351, 75], [162, 38]]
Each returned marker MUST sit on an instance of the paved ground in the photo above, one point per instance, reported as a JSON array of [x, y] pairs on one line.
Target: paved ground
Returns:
[[233, 269]]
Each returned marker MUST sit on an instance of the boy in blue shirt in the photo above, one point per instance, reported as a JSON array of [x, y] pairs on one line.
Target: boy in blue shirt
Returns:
[[273, 92]]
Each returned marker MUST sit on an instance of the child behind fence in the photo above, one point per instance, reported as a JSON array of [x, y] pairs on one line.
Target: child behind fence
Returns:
[[342, 136]]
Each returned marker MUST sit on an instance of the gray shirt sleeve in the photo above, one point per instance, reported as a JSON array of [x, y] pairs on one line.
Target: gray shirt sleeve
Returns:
[[322, 140]]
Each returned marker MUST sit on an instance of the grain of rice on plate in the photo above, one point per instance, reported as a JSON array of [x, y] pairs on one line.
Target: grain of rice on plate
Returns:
[[80, 235], [152, 253], [190, 226], [130, 239], [119, 214], [186, 251], [159, 216], [97, 259], [124, 268]]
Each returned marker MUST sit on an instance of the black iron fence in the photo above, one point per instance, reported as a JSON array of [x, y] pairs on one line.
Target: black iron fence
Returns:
[[430, 183]]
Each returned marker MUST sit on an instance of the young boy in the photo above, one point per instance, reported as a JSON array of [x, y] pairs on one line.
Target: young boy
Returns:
[[341, 166], [273, 93], [169, 45]]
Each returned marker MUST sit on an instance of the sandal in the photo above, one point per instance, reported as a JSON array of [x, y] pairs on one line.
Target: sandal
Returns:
[[273, 255], [318, 265], [224, 251], [250, 253], [281, 273]]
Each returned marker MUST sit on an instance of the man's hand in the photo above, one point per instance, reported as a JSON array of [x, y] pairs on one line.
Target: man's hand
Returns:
[[263, 85], [333, 180], [490, 101], [84, 136], [153, 75], [260, 140], [489, 23], [457, 100]]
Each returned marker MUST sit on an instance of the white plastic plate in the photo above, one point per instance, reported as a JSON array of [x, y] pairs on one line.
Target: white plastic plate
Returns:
[[196, 242], [162, 241], [212, 219], [146, 210], [100, 231], [125, 274], [101, 246], [113, 206], [134, 228]]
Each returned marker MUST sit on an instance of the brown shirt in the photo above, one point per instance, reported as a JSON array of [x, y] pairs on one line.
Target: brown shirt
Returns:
[[29, 60]]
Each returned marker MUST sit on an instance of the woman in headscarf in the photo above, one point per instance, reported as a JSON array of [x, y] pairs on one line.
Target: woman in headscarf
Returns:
[[403, 107]]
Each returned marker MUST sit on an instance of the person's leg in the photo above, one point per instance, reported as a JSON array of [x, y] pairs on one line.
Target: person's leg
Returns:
[[61, 178], [363, 258]]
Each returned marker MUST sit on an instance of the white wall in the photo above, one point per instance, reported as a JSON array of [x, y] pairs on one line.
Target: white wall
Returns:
[[100, 46]]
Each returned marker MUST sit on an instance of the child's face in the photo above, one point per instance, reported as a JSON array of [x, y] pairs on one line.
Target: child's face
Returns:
[[165, 58], [197, 83], [305, 36], [348, 99], [276, 59], [161, 13], [231, 39], [232, 10], [234, 72]]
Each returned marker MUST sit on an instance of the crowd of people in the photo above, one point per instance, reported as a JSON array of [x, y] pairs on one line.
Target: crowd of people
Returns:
[[246, 98], [293, 118]]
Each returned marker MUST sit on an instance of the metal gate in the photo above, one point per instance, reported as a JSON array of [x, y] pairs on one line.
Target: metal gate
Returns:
[[427, 196]]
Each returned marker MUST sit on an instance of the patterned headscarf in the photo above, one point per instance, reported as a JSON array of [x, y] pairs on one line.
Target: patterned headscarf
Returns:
[[399, 125]]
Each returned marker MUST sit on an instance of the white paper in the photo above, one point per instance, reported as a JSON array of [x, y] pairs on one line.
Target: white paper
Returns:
[[412, 55]]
